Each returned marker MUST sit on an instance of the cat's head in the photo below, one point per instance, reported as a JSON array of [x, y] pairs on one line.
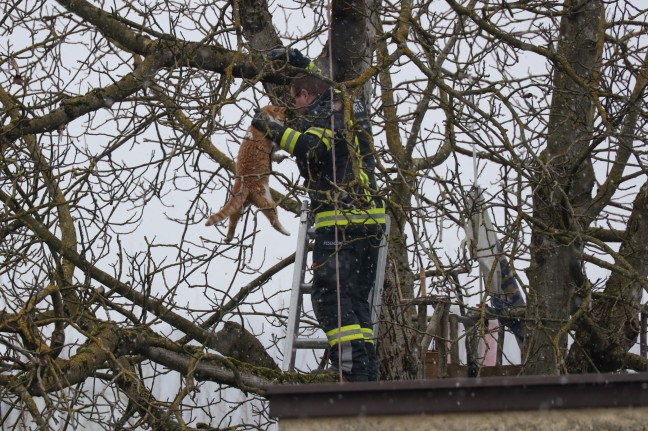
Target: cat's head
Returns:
[[278, 113]]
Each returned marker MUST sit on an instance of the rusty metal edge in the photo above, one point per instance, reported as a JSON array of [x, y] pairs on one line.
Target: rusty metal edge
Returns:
[[459, 395]]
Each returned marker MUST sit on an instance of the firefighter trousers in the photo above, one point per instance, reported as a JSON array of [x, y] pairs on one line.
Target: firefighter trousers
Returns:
[[348, 261]]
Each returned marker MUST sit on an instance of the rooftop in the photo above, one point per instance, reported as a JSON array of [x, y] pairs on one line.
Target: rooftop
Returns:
[[460, 395]]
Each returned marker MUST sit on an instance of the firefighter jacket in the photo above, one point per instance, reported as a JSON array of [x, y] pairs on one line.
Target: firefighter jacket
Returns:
[[342, 190]]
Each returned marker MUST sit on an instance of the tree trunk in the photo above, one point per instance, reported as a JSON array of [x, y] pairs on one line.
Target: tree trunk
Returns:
[[349, 39], [398, 344], [612, 326], [563, 187]]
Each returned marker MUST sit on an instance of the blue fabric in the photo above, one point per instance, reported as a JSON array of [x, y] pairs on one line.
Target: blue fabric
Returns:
[[512, 297]]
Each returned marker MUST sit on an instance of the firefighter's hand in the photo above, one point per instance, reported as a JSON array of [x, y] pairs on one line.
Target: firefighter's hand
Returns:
[[267, 125], [291, 55]]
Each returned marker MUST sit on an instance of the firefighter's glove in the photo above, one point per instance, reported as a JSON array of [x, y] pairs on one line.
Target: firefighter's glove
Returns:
[[264, 123], [293, 57]]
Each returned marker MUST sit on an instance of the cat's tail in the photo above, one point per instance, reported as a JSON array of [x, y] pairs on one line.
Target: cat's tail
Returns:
[[234, 205]]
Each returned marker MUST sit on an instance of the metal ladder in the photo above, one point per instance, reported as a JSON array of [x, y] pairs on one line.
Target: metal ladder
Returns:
[[299, 287]]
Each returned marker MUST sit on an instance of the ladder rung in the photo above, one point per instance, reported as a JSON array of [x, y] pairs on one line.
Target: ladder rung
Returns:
[[311, 343], [306, 288]]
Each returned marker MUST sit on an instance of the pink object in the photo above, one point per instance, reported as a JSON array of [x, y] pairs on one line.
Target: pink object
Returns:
[[489, 344]]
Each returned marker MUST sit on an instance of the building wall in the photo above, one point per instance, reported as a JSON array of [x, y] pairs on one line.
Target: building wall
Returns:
[[611, 419]]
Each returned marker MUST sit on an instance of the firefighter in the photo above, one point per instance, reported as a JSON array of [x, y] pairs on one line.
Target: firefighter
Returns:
[[349, 215]]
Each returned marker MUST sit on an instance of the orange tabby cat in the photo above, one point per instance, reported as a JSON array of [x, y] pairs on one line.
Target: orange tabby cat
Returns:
[[251, 186]]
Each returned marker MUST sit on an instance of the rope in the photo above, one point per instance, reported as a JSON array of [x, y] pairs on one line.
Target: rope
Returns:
[[337, 256], [477, 191], [474, 148], [474, 160]]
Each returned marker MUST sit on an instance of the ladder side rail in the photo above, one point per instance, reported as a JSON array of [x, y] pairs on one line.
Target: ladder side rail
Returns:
[[376, 294], [294, 311]]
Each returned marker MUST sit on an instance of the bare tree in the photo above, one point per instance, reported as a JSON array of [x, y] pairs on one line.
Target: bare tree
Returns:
[[119, 125]]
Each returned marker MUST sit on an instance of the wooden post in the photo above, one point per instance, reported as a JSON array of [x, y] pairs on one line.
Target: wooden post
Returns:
[[454, 339], [643, 347], [500, 345], [443, 340]]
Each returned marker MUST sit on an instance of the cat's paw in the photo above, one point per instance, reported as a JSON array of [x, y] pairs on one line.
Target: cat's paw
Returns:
[[278, 158]]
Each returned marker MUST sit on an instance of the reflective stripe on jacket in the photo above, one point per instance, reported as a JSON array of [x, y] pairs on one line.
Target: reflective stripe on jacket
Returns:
[[290, 137], [347, 217]]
